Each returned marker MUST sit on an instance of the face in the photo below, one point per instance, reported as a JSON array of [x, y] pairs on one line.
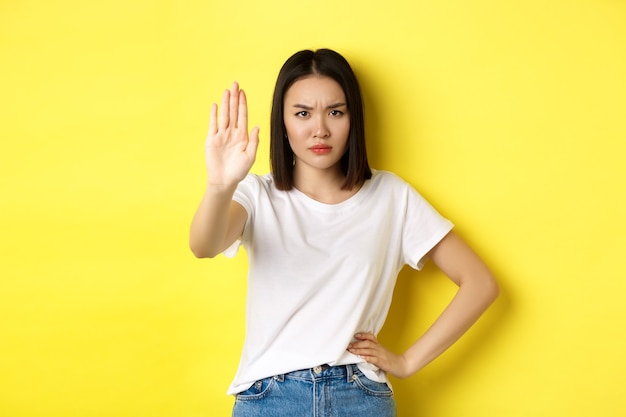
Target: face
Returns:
[[317, 121]]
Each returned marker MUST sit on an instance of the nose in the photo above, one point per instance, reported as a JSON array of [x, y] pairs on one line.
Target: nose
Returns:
[[321, 130]]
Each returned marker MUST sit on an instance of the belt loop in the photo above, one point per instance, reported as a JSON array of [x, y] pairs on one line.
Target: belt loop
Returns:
[[349, 372]]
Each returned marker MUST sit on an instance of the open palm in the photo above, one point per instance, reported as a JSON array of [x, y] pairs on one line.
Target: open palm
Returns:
[[230, 150]]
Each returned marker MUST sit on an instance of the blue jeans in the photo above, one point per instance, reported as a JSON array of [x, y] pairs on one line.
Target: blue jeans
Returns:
[[323, 391]]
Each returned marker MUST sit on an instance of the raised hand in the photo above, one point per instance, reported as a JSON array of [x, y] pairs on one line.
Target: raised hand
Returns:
[[230, 151]]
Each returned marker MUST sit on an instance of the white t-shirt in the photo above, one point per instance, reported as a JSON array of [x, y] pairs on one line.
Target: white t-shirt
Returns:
[[319, 273]]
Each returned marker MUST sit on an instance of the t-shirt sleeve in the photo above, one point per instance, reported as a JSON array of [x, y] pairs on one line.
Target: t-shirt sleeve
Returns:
[[424, 227], [244, 195]]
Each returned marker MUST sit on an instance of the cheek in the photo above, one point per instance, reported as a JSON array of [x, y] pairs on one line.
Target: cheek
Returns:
[[294, 138], [345, 130], [294, 131]]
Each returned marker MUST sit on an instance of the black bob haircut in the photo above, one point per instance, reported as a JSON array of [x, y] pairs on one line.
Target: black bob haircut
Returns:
[[328, 63]]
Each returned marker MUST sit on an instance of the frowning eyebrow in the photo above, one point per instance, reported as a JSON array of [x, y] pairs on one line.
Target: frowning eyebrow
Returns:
[[332, 106]]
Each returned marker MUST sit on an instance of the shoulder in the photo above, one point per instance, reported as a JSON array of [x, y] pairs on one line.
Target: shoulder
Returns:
[[390, 186], [256, 182], [388, 179], [383, 175], [253, 191], [257, 189]]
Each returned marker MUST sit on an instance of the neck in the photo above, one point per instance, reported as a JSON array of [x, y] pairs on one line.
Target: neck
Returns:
[[324, 186]]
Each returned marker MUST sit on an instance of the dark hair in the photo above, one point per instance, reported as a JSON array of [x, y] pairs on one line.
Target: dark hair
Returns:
[[323, 62]]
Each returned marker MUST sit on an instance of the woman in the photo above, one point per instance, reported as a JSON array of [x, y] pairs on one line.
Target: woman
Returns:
[[326, 237]]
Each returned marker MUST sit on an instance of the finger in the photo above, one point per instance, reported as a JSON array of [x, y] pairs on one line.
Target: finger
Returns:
[[234, 104], [364, 352], [223, 120], [362, 344], [253, 143], [366, 349], [213, 120], [242, 119], [366, 336], [374, 360]]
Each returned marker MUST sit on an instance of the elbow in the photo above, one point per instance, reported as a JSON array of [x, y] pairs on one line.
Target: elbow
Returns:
[[484, 287], [492, 289], [203, 255], [201, 252]]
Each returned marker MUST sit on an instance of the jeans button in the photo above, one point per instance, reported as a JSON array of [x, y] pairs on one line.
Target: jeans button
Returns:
[[317, 369]]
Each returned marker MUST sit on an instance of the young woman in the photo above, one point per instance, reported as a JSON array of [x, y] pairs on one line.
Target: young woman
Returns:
[[326, 237]]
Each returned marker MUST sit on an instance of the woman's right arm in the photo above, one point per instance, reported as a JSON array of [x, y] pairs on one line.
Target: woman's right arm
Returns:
[[230, 153], [218, 222]]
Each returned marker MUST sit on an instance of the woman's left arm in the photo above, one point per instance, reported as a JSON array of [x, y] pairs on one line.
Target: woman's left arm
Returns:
[[477, 290]]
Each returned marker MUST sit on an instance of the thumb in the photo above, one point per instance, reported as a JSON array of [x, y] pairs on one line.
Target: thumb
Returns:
[[253, 143]]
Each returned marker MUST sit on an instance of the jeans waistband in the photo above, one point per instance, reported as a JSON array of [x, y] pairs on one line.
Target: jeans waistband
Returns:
[[322, 372]]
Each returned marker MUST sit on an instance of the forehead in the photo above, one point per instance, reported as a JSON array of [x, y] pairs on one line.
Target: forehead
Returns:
[[316, 88]]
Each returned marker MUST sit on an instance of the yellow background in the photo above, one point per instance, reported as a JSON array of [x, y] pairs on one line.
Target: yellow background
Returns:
[[509, 116]]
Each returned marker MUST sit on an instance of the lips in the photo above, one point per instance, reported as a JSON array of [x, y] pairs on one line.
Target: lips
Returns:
[[320, 149]]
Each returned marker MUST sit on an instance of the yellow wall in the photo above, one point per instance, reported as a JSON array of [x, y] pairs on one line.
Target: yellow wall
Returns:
[[507, 115]]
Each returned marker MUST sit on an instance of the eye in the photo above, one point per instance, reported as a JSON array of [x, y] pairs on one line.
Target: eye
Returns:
[[302, 113], [336, 113]]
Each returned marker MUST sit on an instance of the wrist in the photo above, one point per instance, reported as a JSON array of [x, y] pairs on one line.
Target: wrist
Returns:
[[221, 188]]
